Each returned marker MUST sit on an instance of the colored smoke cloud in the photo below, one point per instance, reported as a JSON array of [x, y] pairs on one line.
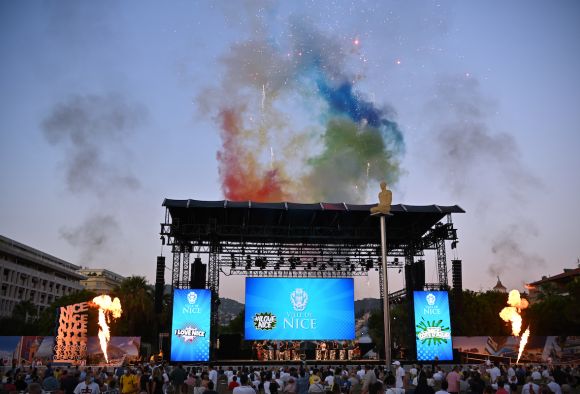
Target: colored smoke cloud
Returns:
[[294, 126]]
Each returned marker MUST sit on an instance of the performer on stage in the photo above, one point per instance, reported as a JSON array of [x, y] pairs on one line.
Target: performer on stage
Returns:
[[323, 351]]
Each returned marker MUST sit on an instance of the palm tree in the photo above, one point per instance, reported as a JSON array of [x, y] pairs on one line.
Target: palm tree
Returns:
[[138, 318]]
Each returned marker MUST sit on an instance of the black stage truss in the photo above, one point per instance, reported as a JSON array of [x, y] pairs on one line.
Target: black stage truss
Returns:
[[301, 240]]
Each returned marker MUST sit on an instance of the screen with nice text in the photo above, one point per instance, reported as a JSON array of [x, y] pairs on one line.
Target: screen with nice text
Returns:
[[190, 325], [432, 325], [299, 309]]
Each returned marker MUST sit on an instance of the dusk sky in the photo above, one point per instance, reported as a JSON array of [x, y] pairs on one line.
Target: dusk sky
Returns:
[[107, 108]]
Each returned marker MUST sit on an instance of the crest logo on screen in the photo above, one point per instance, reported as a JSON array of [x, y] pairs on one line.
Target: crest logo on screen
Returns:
[[430, 299], [191, 297], [264, 321], [299, 299], [191, 308]]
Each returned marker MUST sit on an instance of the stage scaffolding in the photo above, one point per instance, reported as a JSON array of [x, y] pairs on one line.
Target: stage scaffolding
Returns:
[[321, 240]]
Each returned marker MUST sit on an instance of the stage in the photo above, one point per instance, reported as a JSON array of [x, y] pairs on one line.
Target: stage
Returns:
[[293, 363]]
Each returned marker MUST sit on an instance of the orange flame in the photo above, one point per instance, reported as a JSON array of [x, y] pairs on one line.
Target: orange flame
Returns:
[[523, 341], [107, 307], [511, 313]]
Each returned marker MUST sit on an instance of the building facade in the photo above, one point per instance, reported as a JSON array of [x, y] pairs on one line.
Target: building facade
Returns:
[[100, 281], [27, 274], [555, 284]]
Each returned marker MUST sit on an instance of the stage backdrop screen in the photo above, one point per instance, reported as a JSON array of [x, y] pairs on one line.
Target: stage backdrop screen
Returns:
[[190, 325], [285, 308], [432, 325]]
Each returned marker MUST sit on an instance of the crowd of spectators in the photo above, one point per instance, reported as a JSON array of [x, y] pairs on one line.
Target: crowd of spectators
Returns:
[[152, 378]]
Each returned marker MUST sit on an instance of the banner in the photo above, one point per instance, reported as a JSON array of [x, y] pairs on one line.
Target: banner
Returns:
[[190, 326], [432, 326], [564, 349], [299, 309]]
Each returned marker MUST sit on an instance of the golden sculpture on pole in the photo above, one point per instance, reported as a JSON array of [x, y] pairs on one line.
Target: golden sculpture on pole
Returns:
[[382, 211], [385, 200]]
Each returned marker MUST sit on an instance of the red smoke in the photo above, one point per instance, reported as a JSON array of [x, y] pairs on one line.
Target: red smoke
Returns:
[[241, 173]]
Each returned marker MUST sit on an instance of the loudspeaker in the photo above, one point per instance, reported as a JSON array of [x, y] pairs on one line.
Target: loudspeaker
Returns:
[[159, 283], [419, 274], [456, 276], [415, 275], [198, 274]]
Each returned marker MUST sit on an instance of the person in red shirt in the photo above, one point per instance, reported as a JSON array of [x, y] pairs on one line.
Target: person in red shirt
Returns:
[[234, 383]]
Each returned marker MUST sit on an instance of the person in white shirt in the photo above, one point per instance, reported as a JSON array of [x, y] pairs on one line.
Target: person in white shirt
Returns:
[[553, 386], [213, 375], [494, 373], [243, 388], [329, 380], [399, 375]]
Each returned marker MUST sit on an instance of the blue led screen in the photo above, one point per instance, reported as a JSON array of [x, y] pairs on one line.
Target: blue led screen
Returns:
[[432, 325], [299, 309], [190, 326]]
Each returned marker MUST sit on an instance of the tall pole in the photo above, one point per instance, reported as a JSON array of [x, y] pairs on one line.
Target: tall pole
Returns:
[[385, 284]]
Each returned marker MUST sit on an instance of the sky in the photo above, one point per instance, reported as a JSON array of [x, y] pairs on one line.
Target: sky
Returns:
[[107, 108]]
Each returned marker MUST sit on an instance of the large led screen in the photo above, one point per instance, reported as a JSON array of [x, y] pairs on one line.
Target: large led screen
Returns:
[[297, 309], [190, 325], [432, 325]]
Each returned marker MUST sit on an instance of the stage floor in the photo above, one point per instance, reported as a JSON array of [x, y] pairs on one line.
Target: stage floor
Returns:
[[295, 363]]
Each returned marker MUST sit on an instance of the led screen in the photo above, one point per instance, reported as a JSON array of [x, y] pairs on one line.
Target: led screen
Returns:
[[432, 325], [294, 309], [190, 326]]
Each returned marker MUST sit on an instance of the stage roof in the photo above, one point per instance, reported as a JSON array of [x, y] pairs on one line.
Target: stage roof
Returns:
[[299, 222]]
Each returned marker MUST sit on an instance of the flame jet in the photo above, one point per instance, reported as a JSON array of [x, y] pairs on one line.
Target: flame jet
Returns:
[[107, 308]]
